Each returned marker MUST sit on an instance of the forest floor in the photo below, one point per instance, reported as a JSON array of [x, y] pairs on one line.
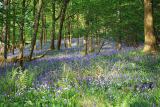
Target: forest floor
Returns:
[[65, 78]]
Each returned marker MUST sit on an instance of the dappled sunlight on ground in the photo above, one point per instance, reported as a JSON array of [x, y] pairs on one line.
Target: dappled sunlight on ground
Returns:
[[103, 77]]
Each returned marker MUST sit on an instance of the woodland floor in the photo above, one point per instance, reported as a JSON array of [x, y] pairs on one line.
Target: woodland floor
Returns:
[[65, 78]]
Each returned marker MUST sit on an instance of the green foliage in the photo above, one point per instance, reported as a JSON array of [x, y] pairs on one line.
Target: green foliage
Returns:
[[15, 81]]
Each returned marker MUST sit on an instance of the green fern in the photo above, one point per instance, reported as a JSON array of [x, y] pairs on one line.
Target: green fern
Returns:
[[16, 80]]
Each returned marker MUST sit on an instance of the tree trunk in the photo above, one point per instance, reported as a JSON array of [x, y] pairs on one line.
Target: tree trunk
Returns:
[[96, 40], [42, 30], [14, 28], [8, 27], [84, 50], [21, 34], [119, 45], [35, 29], [134, 41], [53, 26], [150, 40], [61, 24], [65, 39], [78, 29], [90, 42], [69, 34], [45, 31], [105, 31], [4, 36]]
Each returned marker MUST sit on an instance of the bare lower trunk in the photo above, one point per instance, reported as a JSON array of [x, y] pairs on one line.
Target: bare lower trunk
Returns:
[[14, 29], [119, 44], [65, 41], [96, 42], [69, 42], [42, 31], [98, 38], [90, 42], [53, 26], [61, 24], [8, 28], [84, 50], [150, 40], [134, 42], [4, 36], [69, 34], [105, 31], [45, 30], [41, 39], [78, 29], [21, 35]]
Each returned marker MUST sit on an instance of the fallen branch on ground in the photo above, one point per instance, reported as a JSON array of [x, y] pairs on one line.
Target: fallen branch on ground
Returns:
[[25, 58]]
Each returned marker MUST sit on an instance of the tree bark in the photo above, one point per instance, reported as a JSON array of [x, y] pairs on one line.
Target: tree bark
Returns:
[[65, 38], [4, 30], [21, 34], [45, 31], [8, 27], [78, 29], [98, 37], [53, 26], [90, 42], [42, 30], [84, 50], [69, 34], [134, 41], [119, 43], [150, 40], [34, 17], [36, 29], [61, 24], [96, 40], [14, 28]]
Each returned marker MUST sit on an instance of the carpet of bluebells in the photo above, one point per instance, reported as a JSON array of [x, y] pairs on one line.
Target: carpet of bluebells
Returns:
[[127, 78]]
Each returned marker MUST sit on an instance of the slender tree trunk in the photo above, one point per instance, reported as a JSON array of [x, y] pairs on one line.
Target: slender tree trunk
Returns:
[[4, 30], [127, 40], [21, 34], [90, 42], [65, 38], [69, 34], [84, 50], [8, 28], [45, 31], [78, 29], [96, 40], [41, 39], [14, 28], [34, 12], [61, 24], [98, 37], [34, 19], [42, 30], [36, 29], [119, 43], [53, 26], [105, 30], [134, 41], [150, 40]]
